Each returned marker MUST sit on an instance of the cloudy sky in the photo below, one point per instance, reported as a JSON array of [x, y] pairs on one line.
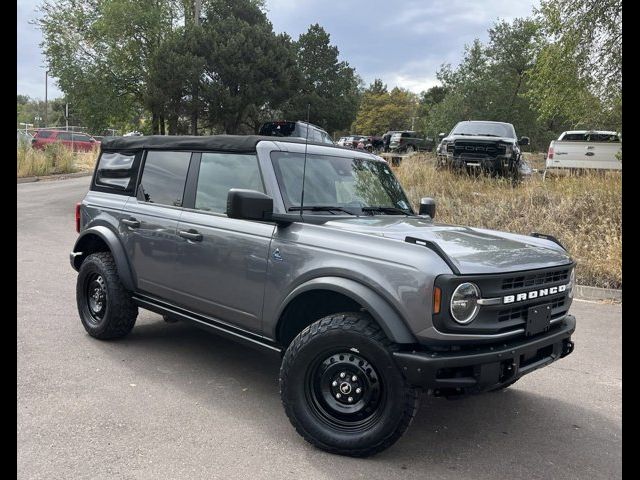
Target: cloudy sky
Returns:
[[403, 42]]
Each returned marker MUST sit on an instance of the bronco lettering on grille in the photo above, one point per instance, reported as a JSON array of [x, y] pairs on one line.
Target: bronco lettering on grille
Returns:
[[543, 292]]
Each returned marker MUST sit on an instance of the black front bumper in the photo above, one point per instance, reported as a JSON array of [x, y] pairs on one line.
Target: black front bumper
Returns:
[[486, 368]]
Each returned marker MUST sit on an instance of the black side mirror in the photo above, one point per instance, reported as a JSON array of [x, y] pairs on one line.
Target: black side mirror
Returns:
[[523, 141], [428, 207], [249, 204]]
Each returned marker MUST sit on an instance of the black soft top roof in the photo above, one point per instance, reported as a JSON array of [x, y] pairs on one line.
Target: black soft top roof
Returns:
[[225, 143]]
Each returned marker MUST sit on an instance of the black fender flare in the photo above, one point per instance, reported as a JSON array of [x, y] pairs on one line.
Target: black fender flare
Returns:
[[382, 312], [115, 246]]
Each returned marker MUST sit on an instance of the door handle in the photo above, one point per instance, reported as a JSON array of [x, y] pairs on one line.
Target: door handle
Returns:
[[191, 234], [131, 222], [589, 154]]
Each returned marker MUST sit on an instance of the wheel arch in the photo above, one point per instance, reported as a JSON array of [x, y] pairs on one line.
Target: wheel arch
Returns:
[[102, 239], [351, 293]]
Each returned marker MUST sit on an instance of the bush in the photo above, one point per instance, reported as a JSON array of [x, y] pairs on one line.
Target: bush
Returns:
[[54, 159]]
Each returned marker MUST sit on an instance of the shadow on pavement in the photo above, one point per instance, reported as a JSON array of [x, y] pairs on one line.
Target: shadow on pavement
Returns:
[[516, 433]]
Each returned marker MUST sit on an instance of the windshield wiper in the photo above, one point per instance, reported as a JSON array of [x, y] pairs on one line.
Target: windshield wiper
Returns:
[[391, 210], [487, 135], [319, 208]]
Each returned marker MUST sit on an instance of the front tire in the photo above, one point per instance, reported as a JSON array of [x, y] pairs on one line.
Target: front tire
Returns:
[[105, 306], [341, 388]]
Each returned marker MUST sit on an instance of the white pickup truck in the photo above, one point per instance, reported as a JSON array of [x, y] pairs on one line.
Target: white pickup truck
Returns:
[[584, 149]]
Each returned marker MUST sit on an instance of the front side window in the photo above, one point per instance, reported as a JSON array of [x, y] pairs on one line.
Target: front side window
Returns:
[[337, 181], [219, 173], [163, 178]]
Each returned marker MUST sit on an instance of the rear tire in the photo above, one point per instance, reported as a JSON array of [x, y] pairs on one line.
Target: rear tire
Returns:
[[105, 306], [341, 388]]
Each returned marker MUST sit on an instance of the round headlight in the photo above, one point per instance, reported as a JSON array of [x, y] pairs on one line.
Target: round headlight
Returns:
[[464, 303], [572, 282]]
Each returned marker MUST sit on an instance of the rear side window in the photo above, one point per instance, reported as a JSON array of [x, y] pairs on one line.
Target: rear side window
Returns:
[[117, 171], [163, 177], [44, 134], [574, 137], [219, 173]]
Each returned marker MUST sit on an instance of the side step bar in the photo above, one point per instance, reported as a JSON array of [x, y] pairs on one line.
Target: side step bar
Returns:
[[205, 322]]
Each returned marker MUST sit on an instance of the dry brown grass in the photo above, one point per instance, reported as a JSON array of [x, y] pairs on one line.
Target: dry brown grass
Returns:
[[584, 212], [54, 159]]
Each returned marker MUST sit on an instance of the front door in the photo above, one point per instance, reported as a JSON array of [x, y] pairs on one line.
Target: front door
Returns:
[[150, 222], [222, 262]]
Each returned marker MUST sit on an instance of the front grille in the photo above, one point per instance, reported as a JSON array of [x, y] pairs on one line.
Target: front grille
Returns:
[[520, 312], [536, 279], [510, 317], [490, 149]]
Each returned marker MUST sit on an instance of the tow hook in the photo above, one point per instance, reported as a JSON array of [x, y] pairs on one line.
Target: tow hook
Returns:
[[567, 348]]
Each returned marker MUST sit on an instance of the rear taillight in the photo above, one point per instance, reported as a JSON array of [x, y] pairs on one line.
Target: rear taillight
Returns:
[[550, 153], [78, 217]]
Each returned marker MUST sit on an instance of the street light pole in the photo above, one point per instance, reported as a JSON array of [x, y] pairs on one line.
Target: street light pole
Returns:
[[46, 103]]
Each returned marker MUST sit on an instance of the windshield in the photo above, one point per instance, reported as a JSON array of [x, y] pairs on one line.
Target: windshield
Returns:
[[338, 182], [489, 129]]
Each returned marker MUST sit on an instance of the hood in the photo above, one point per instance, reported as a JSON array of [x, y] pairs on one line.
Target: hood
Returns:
[[481, 138], [472, 250]]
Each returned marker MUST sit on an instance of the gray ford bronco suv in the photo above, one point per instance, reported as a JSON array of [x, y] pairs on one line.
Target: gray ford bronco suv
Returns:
[[315, 252]]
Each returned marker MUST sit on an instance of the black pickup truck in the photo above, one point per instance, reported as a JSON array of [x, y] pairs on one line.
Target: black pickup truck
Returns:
[[488, 146], [410, 142]]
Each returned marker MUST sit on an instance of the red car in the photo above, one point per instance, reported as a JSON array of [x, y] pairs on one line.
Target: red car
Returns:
[[74, 140]]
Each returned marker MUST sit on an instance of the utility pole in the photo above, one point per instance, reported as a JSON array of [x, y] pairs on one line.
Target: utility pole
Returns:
[[66, 116], [46, 102], [197, 7]]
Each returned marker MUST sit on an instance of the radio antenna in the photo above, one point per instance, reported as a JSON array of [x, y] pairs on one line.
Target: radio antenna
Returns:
[[304, 164]]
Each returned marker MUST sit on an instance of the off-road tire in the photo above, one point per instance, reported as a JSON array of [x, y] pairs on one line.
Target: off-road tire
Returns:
[[119, 313], [364, 344]]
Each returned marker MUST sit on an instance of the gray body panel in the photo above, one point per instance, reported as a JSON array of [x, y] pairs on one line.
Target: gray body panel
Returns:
[[223, 275], [245, 273]]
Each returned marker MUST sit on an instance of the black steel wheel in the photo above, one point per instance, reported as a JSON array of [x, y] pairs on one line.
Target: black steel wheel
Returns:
[[341, 388], [105, 306]]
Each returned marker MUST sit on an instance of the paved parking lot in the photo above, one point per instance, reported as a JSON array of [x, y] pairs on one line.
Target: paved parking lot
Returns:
[[173, 402]]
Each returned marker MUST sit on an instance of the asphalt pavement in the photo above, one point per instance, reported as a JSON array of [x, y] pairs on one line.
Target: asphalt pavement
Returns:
[[173, 402]]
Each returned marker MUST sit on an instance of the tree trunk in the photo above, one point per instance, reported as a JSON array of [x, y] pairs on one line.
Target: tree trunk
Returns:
[[173, 124], [155, 124], [162, 131]]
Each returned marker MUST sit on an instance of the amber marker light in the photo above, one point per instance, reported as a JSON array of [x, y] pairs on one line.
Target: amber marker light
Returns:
[[437, 295]]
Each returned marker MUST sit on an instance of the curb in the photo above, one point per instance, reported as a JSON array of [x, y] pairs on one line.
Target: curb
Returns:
[[46, 178], [584, 292]]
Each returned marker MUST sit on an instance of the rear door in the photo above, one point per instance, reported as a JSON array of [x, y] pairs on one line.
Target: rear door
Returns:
[[150, 222], [221, 269]]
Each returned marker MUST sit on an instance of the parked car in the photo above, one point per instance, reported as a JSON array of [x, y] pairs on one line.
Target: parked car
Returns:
[[487, 146], [386, 139], [584, 149], [410, 142], [367, 300], [343, 142], [356, 139], [73, 140], [296, 129], [374, 143]]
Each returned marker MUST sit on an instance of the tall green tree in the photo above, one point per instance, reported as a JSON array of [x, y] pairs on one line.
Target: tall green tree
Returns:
[[578, 74], [247, 67], [329, 86], [381, 110], [100, 52]]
